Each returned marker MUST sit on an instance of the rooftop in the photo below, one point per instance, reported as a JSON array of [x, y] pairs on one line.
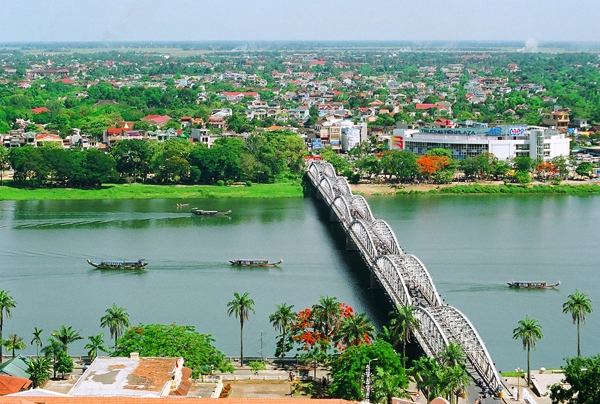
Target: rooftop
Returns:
[[120, 376]]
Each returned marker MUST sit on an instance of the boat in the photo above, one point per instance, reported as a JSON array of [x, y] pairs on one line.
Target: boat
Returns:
[[532, 285], [254, 263], [201, 212], [139, 264]]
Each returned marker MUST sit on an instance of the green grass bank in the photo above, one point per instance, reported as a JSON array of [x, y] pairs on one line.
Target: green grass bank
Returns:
[[593, 189], [141, 191]]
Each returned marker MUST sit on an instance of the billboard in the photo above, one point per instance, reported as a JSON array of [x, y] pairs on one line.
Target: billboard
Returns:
[[397, 143], [317, 144]]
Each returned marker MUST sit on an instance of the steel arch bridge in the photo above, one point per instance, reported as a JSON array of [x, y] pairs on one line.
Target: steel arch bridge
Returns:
[[403, 276]]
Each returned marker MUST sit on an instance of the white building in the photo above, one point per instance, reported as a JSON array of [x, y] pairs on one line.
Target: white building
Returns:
[[505, 142]]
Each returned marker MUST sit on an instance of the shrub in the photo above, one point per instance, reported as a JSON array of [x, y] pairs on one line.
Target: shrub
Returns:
[[220, 183], [248, 183], [256, 366]]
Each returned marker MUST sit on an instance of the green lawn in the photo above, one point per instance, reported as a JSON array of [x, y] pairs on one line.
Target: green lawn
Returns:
[[140, 191]]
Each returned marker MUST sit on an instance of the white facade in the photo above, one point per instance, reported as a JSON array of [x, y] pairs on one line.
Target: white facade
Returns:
[[504, 142]]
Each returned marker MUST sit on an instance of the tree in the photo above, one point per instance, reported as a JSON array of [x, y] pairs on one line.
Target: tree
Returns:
[[116, 320], [581, 383], [3, 161], [347, 370], [452, 355], [578, 305], [528, 331], [388, 385], [132, 157], [401, 164], [401, 325], [455, 380], [37, 340], [355, 330], [6, 304], [96, 344], [173, 341], [66, 335], [282, 320], [39, 371], [13, 343], [64, 363], [427, 374], [585, 169], [51, 351], [240, 307]]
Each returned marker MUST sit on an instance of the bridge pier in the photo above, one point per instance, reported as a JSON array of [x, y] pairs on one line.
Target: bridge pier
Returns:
[[319, 196], [332, 216], [350, 244], [373, 282]]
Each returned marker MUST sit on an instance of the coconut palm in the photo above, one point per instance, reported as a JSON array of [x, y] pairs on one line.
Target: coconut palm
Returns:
[[6, 303], [528, 331], [241, 306], [281, 321], [96, 344], [579, 305], [14, 343], [37, 340], [326, 315], [66, 335], [116, 319], [356, 330], [402, 323], [39, 371]]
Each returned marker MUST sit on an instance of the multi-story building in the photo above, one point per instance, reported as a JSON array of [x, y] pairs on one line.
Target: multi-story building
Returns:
[[505, 142]]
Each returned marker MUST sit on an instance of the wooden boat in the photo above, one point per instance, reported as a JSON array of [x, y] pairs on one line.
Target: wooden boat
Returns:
[[139, 264], [531, 285], [254, 263], [201, 212]]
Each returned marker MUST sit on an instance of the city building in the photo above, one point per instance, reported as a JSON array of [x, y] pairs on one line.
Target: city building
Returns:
[[505, 142]]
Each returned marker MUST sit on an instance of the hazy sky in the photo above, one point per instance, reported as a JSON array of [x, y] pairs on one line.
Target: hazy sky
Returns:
[[253, 20]]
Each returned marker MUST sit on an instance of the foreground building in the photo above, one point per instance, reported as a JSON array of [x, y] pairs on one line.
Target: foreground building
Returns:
[[505, 142]]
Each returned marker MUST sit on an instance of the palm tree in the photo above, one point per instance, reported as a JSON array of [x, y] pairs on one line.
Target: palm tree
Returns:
[[96, 344], [13, 343], [66, 335], [528, 331], [241, 306], [326, 314], [579, 304], [52, 350], [455, 380], [453, 355], [37, 340], [387, 385], [6, 303], [116, 319], [281, 320], [402, 323], [356, 330], [39, 371]]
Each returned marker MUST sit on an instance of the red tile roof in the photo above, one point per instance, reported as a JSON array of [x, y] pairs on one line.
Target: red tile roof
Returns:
[[40, 110], [11, 384]]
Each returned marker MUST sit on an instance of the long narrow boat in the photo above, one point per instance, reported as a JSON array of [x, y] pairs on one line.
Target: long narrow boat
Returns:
[[201, 212], [531, 285], [139, 264], [254, 262]]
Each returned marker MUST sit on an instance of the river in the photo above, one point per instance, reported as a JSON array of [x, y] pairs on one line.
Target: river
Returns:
[[472, 245]]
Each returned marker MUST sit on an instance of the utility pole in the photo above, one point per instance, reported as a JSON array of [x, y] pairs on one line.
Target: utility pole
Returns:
[[261, 345]]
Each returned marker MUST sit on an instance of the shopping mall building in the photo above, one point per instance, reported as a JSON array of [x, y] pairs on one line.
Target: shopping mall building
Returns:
[[505, 142]]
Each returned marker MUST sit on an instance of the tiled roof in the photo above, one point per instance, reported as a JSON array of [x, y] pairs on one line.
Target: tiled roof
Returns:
[[10, 384]]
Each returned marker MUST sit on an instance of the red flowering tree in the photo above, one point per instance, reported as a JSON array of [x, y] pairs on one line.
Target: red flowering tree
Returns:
[[429, 165]]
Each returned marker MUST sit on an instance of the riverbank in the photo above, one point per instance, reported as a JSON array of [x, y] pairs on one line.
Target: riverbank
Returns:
[[142, 191], [572, 187]]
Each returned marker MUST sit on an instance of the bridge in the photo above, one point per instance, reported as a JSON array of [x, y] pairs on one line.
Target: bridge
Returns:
[[402, 276]]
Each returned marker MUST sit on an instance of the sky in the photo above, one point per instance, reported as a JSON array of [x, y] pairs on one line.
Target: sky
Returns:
[[258, 20]]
